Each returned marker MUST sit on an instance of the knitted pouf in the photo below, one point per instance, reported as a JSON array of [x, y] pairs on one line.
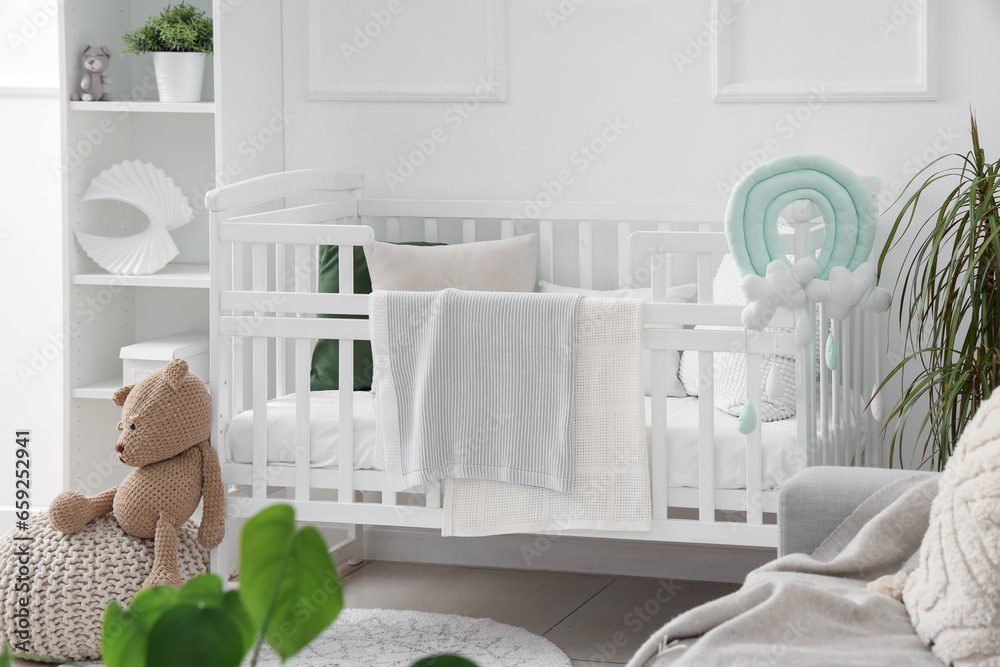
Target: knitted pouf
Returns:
[[72, 578]]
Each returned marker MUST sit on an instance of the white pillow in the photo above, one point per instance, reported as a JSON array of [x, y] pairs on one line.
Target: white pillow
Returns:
[[489, 266], [678, 294], [731, 367], [953, 595]]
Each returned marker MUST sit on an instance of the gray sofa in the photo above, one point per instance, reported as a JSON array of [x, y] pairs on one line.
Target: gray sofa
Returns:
[[815, 501], [811, 505]]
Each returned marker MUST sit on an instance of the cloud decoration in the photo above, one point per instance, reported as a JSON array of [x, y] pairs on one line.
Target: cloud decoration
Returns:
[[790, 287], [847, 290], [782, 286]]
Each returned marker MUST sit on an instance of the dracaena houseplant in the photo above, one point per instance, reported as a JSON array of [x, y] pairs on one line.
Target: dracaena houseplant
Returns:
[[950, 312]]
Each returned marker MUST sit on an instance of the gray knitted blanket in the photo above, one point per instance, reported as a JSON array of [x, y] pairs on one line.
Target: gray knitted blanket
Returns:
[[474, 385]]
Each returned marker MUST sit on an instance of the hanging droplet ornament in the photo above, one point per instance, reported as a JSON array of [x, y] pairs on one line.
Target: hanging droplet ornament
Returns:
[[805, 327], [876, 404], [832, 357], [775, 385], [748, 419]]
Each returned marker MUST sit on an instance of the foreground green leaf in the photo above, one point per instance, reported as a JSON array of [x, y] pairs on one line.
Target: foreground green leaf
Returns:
[[444, 660], [125, 632], [288, 581], [191, 635]]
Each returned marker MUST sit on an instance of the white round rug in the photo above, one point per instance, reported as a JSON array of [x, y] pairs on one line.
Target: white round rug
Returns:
[[387, 638]]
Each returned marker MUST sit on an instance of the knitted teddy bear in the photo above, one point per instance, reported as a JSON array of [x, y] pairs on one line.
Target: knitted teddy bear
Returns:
[[95, 60], [166, 423]]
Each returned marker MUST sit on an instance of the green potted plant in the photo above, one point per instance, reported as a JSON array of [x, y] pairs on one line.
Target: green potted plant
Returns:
[[179, 37], [951, 321]]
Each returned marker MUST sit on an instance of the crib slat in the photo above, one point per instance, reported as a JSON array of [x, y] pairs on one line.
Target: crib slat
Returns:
[[624, 255], [839, 405], [468, 231], [706, 269], [433, 494], [666, 257], [281, 343], [507, 229], [303, 353], [824, 390], [755, 498], [802, 372], [239, 354], [345, 464], [431, 230], [259, 379], [392, 230], [658, 435], [303, 437], [706, 436], [546, 250], [586, 248], [856, 347]]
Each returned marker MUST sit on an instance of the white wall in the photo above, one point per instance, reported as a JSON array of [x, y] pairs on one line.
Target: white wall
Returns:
[[575, 65], [30, 247]]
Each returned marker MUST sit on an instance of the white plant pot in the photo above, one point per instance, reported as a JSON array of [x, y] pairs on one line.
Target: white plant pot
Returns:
[[179, 76]]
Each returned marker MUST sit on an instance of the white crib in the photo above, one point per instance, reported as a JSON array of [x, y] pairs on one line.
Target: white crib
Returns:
[[264, 238]]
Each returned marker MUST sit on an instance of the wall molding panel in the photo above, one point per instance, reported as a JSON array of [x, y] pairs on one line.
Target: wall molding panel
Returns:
[[726, 87], [324, 55]]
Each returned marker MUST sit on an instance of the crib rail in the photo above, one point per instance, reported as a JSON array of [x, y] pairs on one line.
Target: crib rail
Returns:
[[267, 314]]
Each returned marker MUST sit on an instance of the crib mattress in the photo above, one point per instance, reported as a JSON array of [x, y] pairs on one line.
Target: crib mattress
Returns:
[[778, 439]]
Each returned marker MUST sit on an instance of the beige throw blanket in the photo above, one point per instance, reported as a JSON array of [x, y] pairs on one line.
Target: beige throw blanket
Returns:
[[611, 472]]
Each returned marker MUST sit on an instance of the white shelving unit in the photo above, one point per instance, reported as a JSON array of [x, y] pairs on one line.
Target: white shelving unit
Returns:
[[199, 146], [103, 311]]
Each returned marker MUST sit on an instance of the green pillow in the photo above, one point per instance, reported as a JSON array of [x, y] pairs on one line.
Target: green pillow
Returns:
[[325, 372]]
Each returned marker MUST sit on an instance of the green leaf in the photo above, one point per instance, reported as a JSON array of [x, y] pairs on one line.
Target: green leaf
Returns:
[[191, 635], [5, 660], [123, 637], [232, 603], [444, 660], [203, 590], [288, 581], [125, 633]]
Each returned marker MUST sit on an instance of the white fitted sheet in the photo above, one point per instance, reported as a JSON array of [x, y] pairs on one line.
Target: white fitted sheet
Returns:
[[778, 439]]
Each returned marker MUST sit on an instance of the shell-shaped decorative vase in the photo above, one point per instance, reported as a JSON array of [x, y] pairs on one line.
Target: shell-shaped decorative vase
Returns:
[[150, 190]]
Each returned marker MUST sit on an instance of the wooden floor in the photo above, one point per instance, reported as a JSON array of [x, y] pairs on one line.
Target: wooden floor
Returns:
[[595, 619]]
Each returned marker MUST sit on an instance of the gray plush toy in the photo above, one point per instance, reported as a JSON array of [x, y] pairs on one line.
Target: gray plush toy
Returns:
[[95, 60]]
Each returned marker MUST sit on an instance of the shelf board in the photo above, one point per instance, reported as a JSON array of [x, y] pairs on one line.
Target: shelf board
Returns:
[[102, 389], [172, 275], [144, 106]]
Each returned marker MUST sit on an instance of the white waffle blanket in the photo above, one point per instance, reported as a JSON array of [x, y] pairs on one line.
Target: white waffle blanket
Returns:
[[610, 467]]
